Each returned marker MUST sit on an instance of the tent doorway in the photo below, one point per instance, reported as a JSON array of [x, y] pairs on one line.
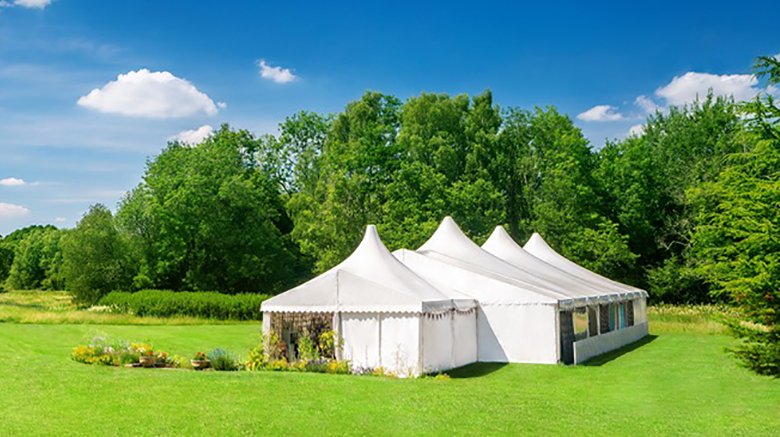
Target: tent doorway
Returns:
[[566, 330]]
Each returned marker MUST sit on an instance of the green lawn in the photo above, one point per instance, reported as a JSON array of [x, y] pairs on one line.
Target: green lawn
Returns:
[[678, 383]]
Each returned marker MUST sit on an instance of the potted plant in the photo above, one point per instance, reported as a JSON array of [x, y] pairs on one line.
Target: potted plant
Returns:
[[147, 358], [200, 361], [161, 359]]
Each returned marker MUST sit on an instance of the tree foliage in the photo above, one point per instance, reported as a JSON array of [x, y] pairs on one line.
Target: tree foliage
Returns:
[[209, 217], [737, 239], [643, 182], [37, 259], [97, 258]]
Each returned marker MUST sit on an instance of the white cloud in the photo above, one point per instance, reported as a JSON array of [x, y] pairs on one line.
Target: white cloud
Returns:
[[12, 182], [686, 88], [636, 130], [275, 74], [194, 136], [9, 210], [32, 4], [154, 94], [60, 219], [600, 113], [646, 104]]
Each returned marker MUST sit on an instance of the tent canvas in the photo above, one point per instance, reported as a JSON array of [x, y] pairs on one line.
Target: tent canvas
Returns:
[[539, 248], [385, 314], [501, 245]]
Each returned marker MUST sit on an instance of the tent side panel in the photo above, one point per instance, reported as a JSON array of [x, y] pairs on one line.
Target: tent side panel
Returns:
[[437, 347], [400, 343], [518, 334], [640, 310], [464, 346], [360, 333], [592, 346]]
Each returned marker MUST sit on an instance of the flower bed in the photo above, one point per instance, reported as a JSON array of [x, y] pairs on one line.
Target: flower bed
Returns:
[[106, 351], [316, 357]]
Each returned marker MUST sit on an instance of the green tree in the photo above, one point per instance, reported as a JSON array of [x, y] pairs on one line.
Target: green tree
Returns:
[[359, 157], [6, 260], [211, 217], [736, 241], [292, 157], [550, 167], [97, 258], [37, 260], [643, 181]]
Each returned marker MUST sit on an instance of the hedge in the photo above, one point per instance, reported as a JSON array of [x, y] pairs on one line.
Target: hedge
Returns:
[[205, 304]]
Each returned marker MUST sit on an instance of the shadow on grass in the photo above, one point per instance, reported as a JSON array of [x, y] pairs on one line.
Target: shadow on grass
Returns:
[[617, 353], [475, 370]]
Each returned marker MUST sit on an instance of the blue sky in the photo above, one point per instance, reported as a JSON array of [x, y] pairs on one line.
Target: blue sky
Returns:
[[90, 89]]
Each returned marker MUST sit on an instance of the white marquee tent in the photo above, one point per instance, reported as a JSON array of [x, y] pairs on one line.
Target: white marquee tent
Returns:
[[385, 314], [452, 302]]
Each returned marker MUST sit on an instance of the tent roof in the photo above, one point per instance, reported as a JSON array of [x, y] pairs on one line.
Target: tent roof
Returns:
[[539, 248], [370, 279], [449, 242], [483, 285], [503, 246]]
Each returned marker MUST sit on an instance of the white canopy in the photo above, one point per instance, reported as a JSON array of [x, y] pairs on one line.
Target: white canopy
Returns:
[[450, 244], [369, 280], [503, 246], [539, 248], [486, 287]]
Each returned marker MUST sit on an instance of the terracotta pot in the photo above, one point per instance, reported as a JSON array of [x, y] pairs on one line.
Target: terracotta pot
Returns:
[[200, 364], [146, 360]]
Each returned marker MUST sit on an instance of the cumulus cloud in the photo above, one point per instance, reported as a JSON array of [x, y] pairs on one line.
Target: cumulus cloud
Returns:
[[194, 136], [60, 219], [275, 74], [646, 104], [686, 88], [9, 210], [153, 94], [35, 4], [12, 182], [636, 130], [31, 4], [600, 113]]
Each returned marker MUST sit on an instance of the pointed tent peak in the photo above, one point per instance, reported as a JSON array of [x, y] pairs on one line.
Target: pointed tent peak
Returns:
[[536, 240], [370, 244], [446, 235], [498, 237]]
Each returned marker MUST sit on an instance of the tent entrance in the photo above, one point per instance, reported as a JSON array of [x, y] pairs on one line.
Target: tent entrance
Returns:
[[566, 330], [292, 327]]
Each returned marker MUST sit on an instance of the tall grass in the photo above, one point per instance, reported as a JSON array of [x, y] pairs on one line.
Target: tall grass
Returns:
[[57, 307], [704, 319], [206, 304]]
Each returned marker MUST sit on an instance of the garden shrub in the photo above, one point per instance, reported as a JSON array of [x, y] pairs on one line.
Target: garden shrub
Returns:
[[307, 350], [91, 355], [223, 360], [205, 304]]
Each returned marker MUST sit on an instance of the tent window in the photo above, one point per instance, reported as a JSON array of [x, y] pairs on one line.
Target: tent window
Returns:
[[604, 318], [593, 327], [630, 313], [580, 318], [622, 318], [567, 337], [612, 316]]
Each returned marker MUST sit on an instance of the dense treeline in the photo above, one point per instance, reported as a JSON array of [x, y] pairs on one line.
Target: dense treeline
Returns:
[[688, 209]]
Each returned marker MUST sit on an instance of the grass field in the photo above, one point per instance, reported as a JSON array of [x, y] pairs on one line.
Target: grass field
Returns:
[[679, 382]]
